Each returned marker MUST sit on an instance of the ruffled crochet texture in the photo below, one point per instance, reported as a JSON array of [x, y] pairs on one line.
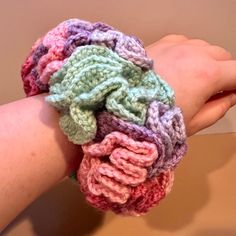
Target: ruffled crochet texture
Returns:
[[113, 104], [50, 52], [93, 76]]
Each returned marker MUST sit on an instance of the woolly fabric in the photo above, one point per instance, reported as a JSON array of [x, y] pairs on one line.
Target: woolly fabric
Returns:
[[106, 193], [49, 53], [93, 76], [164, 127], [113, 103]]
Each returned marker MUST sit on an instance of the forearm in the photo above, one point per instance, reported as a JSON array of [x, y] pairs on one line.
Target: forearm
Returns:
[[34, 153]]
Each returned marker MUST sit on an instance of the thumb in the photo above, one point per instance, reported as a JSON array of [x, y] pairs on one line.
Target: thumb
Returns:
[[213, 110]]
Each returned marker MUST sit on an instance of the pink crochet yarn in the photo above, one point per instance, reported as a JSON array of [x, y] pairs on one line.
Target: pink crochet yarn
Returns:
[[45, 58], [50, 52], [141, 197], [116, 169]]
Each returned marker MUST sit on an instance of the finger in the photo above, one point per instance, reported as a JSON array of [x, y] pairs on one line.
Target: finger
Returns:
[[174, 38], [168, 40], [197, 42], [227, 75], [212, 111], [218, 53]]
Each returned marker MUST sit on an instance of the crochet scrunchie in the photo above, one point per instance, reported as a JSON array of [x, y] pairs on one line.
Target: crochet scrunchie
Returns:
[[113, 104]]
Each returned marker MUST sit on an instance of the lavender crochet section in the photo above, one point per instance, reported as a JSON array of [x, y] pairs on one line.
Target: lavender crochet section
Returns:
[[128, 47], [164, 127], [50, 52]]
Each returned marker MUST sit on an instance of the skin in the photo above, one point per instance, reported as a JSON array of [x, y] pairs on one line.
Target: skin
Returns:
[[205, 74], [35, 155]]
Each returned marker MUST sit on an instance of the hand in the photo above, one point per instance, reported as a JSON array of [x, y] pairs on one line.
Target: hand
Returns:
[[202, 75]]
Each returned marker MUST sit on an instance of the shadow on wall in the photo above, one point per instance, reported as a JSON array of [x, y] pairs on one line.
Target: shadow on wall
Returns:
[[62, 211], [191, 191]]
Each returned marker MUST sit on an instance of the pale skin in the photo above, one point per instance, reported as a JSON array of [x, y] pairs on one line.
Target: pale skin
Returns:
[[35, 154], [197, 71]]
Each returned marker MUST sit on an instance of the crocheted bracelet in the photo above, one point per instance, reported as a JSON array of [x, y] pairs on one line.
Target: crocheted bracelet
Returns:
[[113, 104]]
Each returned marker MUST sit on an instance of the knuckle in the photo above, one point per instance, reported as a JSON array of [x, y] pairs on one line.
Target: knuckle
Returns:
[[199, 42], [232, 99], [224, 107], [210, 71], [175, 37], [182, 51], [222, 51], [222, 112]]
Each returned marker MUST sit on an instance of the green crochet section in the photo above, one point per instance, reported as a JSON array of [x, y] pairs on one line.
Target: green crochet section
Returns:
[[95, 76]]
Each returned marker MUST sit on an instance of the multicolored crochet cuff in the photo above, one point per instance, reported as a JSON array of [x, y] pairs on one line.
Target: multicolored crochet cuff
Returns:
[[113, 104]]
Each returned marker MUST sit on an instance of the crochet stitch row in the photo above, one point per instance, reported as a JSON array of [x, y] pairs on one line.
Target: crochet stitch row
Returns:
[[113, 103], [93, 76], [49, 53], [164, 127]]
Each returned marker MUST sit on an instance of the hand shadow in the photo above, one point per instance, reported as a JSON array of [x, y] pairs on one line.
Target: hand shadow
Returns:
[[191, 191], [61, 211]]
